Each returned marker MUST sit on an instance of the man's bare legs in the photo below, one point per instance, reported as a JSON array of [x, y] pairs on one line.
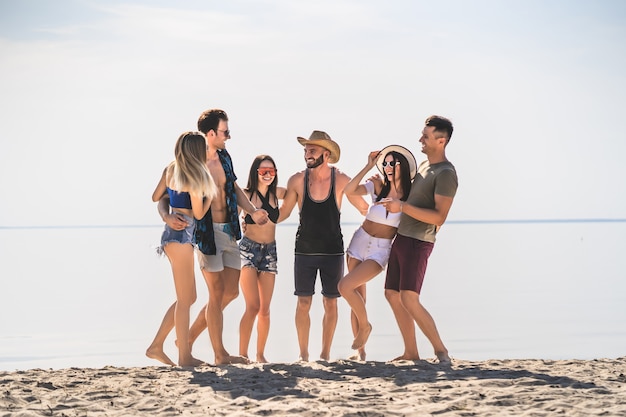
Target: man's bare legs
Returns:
[[352, 288], [406, 325], [303, 325], [411, 303], [200, 325], [220, 283], [257, 288], [329, 324], [155, 350], [408, 310]]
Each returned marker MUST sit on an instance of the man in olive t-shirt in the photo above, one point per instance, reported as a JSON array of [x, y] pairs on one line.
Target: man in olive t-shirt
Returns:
[[423, 213]]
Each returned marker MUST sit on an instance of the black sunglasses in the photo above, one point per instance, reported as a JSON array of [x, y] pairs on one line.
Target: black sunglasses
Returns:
[[391, 163]]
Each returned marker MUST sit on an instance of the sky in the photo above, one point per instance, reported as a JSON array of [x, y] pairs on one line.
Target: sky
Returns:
[[94, 94]]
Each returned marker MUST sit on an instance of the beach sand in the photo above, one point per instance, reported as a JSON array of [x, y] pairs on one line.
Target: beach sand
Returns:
[[527, 387]]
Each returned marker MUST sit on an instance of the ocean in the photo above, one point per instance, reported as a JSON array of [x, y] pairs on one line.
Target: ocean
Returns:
[[94, 296]]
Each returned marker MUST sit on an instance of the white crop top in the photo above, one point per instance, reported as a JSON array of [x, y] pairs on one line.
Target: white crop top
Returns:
[[377, 212]]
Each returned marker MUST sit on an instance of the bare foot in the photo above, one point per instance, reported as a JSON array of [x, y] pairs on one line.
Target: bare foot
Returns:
[[443, 358], [362, 336], [260, 358], [231, 360], [406, 357], [154, 352], [303, 358], [192, 362], [357, 355]]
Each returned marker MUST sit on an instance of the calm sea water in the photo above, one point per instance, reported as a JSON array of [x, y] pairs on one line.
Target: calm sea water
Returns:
[[91, 297]]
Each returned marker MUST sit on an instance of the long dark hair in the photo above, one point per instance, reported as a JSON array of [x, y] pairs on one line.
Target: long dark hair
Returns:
[[253, 176], [405, 177]]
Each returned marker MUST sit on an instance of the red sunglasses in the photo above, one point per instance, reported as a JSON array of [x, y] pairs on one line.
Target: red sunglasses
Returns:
[[267, 171]]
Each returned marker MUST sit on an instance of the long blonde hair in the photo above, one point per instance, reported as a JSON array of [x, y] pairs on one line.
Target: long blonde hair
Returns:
[[188, 172]]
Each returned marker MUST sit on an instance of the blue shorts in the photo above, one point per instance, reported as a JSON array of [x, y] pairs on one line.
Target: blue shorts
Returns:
[[186, 235], [305, 273], [261, 256]]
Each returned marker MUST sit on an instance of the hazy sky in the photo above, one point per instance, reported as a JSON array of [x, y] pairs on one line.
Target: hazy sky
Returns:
[[94, 94]]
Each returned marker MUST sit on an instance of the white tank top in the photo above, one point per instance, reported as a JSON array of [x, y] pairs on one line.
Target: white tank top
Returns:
[[377, 212]]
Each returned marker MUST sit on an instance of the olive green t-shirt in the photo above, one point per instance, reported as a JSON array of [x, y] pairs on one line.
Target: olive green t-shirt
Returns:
[[439, 178]]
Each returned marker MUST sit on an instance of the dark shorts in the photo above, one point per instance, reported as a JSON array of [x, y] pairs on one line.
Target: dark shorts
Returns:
[[407, 264], [261, 256], [330, 268]]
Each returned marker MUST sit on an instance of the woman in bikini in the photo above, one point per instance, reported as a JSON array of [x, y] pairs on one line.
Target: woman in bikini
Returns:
[[191, 188], [258, 254]]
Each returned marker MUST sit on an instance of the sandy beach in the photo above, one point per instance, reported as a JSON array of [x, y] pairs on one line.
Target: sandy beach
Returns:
[[527, 387]]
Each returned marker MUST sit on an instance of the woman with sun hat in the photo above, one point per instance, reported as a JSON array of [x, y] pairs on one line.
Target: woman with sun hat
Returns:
[[368, 251]]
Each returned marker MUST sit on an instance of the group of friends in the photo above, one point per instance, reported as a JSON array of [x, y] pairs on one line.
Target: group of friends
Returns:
[[233, 231]]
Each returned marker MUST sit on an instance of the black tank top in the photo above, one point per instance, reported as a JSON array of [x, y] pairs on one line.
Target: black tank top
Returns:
[[319, 232], [273, 212]]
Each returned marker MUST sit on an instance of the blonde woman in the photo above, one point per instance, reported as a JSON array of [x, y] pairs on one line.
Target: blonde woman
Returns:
[[191, 189], [258, 255]]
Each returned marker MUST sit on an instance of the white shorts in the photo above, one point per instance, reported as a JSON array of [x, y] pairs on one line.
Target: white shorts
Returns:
[[364, 247], [227, 255]]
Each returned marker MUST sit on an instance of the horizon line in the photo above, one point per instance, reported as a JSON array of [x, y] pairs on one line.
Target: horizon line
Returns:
[[479, 221]]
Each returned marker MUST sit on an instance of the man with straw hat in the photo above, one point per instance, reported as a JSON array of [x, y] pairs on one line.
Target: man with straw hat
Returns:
[[318, 190], [423, 213]]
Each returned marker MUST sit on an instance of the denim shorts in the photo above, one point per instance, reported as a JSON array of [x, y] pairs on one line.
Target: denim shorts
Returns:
[[262, 256], [186, 235], [363, 247]]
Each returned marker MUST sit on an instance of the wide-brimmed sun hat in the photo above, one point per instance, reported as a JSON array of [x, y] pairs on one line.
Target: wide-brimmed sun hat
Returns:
[[401, 150], [322, 139]]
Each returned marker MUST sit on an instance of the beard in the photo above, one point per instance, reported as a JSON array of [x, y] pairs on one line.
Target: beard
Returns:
[[317, 162]]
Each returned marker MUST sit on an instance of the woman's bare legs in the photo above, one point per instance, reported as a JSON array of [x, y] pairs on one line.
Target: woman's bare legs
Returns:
[[359, 354], [257, 289], [266, 290], [359, 274], [182, 262], [155, 350], [248, 281]]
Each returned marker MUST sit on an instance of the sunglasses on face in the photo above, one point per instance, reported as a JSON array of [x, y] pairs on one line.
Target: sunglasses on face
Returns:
[[390, 163], [226, 132], [266, 171]]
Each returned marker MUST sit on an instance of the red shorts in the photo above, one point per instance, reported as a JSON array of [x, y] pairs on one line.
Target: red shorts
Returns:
[[407, 264]]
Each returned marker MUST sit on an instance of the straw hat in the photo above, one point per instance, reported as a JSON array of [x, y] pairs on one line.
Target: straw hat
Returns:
[[401, 150], [322, 139]]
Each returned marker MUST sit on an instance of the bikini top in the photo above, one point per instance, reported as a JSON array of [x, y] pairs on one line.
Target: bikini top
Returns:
[[273, 212], [377, 212], [179, 200]]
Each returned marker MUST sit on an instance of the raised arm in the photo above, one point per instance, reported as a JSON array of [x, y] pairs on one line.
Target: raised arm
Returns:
[[354, 187]]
